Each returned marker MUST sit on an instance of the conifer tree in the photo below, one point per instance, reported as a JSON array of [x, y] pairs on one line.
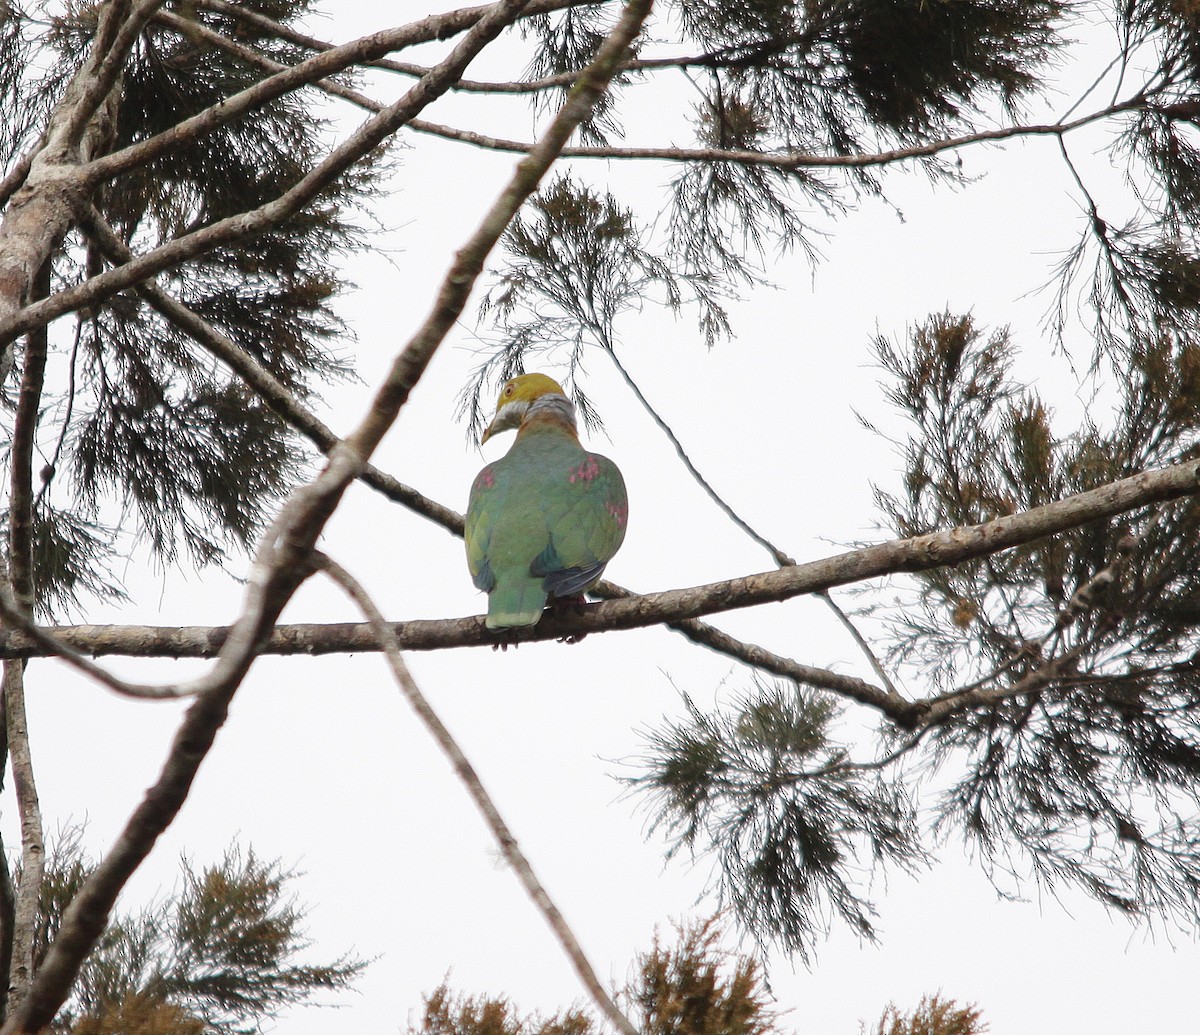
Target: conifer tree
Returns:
[[217, 956], [178, 182]]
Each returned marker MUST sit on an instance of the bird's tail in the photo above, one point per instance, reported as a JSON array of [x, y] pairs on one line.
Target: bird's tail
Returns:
[[517, 603]]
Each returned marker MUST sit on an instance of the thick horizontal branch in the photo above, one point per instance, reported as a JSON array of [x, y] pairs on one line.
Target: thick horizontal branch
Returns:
[[673, 606]]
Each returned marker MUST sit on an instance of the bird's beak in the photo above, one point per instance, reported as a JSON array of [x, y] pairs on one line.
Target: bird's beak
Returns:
[[507, 417]]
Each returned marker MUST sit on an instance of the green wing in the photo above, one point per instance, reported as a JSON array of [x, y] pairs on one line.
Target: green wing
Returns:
[[586, 515], [477, 531]]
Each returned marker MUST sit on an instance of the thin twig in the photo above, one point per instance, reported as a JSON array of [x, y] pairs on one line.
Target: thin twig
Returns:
[[51, 467], [787, 161], [777, 555], [505, 839], [861, 640], [1099, 228]]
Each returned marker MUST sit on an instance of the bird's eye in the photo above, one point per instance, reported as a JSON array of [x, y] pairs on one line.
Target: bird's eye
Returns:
[[508, 390]]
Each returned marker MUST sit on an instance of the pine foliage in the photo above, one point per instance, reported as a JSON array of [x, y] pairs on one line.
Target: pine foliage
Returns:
[[933, 1016], [1089, 764], [149, 434], [764, 787], [692, 986], [218, 956]]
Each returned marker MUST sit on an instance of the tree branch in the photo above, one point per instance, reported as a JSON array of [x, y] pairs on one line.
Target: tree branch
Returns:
[[20, 577], [40, 210], [447, 24], [787, 161], [509, 848], [8, 916], [16, 619], [119, 26], [307, 73], [225, 231], [283, 32]]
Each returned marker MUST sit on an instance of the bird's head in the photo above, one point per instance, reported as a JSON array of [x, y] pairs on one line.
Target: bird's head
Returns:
[[517, 396]]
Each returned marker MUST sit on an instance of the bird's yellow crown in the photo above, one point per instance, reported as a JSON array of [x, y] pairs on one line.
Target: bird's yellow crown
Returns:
[[527, 387]]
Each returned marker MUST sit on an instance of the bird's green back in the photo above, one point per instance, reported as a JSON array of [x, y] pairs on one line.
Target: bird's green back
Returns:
[[543, 519]]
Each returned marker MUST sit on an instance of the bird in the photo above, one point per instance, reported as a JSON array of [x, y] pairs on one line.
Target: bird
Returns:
[[543, 520]]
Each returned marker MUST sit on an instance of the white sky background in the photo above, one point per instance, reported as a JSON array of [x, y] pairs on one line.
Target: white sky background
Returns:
[[321, 765]]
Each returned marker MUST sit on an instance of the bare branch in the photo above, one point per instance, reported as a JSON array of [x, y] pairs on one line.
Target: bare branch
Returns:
[[50, 645], [439, 78], [15, 177], [862, 643], [8, 916], [887, 701], [445, 25], [20, 579], [368, 136], [198, 31], [505, 839], [119, 26], [469, 262], [24, 437], [790, 160], [856, 689], [282, 31], [777, 555]]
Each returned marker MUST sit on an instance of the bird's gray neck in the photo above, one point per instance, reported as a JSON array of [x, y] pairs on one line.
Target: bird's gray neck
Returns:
[[553, 407]]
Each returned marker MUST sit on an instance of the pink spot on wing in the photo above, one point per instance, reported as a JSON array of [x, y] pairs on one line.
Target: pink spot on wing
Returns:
[[586, 471], [619, 512], [485, 479]]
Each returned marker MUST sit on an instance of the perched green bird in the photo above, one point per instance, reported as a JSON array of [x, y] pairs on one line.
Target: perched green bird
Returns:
[[545, 518]]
